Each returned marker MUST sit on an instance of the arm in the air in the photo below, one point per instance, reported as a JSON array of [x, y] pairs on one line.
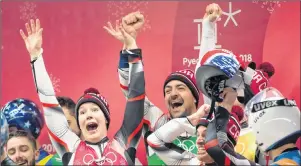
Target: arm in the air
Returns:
[[207, 40], [161, 142], [54, 117], [151, 112], [207, 44], [129, 133], [123, 73], [216, 141]]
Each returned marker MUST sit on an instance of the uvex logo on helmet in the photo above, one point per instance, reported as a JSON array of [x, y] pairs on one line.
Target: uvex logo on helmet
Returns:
[[273, 103]]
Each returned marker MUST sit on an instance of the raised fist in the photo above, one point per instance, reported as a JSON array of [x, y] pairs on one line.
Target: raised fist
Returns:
[[132, 23], [119, 33], [196, 117], [213, 11]]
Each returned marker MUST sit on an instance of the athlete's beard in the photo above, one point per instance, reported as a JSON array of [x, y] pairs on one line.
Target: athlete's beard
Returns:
[[187, 111], [183, 115], [31, 162]]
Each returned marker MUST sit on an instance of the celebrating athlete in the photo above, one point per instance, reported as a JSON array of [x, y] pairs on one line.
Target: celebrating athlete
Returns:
[[181, 98], [92, 112]]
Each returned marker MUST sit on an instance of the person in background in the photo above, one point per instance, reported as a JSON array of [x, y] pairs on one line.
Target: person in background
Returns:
[[201, 127], [24, 114], [21, 147], [68, 107], [202, 155], [246, 144], [4, 160], [275, 120]]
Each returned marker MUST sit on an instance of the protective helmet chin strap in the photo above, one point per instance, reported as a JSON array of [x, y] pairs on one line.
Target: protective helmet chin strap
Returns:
[[217, 89], [212, 109], [237, 83]]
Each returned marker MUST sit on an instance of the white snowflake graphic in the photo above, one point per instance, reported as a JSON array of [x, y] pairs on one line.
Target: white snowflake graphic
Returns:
[[27, 10], [231, 15], [118, 9], [55, 83], [269, 5]]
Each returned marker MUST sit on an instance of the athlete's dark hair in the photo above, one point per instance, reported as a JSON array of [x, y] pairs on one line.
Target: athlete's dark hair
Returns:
[[22, 133], [68, 103]]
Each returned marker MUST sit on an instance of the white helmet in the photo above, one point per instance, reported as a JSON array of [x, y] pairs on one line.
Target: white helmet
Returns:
[[215, 66], [219, 65], [274, 119]]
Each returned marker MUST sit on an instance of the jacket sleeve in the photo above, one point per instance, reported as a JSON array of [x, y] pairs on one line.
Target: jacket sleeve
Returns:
[[151, 112], [217, 142], [129, 133], [207, 44], [57, 126], [161, 142]]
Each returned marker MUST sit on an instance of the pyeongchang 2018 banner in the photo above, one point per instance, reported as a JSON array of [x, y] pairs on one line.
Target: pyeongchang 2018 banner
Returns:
[[79, 54]]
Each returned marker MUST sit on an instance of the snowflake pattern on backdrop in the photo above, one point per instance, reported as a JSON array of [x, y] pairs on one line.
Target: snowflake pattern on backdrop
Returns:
[[118, 9], [27, 11], [269, 5], [55, 83]]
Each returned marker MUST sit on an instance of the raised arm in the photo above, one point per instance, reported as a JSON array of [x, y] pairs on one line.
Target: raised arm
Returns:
[[123, 73], [58, 129], [129, 134], [130, 131], [213, 12], [151, 112], [133, 21]]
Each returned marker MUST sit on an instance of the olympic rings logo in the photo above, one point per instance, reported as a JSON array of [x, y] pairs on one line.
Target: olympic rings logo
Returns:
[[88, 159], [185, 144]]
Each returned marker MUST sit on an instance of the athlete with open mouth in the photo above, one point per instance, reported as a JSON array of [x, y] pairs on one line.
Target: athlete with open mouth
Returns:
[[92, 111]]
